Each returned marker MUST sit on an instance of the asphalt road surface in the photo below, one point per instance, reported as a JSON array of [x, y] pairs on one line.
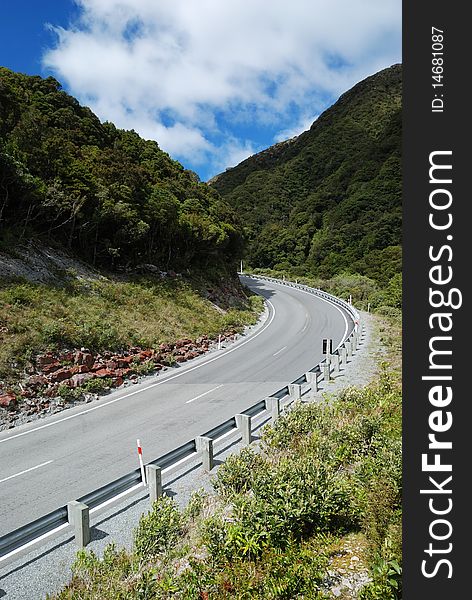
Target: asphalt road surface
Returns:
[[47, 463]]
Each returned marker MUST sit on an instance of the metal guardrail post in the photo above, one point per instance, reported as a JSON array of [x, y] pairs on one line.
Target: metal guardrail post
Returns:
[[243, 423], [79, 518], [154, 481], [312, 379], [205, 447]]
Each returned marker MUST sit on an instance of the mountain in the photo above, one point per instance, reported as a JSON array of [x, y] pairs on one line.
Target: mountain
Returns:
[[110, 196], [328, 200]]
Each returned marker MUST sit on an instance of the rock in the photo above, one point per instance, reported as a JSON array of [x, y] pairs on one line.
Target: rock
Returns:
[[124, 361], [84, 358], [8, 400], [104, 373], [37, 381], [52, 391], [80, 378], [118, 381], [179, 358], [60, 375], [50, 368], [45, 359]]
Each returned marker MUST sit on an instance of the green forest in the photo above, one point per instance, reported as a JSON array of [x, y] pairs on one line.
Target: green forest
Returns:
[[108, 195], [328, 201]]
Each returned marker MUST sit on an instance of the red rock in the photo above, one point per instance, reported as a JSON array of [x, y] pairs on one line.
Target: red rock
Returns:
[[124, 361], [36, 381], [51, 367], [84, 358], [8, 400], [60, 375], [45, 359], [180, 358], [112, 365], [118, 381], [80, 379], [52, 391], [104, 373]]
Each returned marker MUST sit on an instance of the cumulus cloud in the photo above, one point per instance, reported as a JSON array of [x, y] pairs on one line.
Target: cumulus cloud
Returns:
[[191, 73]]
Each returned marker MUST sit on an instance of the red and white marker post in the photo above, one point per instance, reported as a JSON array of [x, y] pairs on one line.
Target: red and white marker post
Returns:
[[141, 464]]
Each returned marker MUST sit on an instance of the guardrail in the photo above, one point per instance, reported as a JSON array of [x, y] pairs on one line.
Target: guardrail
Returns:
[[74, 517]]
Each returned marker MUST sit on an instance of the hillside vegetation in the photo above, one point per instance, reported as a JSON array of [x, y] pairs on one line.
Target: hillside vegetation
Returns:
[[112, 197], [152, 253], [328, 201]]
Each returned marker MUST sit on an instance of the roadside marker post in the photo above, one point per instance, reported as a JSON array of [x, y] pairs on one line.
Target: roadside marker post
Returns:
[[141, 464]]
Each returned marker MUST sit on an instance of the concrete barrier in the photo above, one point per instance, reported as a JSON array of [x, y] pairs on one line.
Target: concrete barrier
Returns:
[[343, 355], [154, 481], [295, 391], [348, 346], [312, 380], [205, 448], [326, 371], [79, 518], [355, 341], [335, 362], [273, 405], [243, 423]]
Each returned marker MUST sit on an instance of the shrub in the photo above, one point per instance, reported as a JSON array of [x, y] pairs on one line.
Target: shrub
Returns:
[[159, 529]]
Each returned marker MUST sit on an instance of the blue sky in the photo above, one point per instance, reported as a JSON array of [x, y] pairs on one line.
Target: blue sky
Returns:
[[212, 82]]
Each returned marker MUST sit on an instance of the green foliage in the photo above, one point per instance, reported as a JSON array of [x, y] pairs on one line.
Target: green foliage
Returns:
[[159, 529], [110, 314], [111, 196], [328, 201]]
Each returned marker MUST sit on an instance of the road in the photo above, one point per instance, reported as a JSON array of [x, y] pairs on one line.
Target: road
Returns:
[[49, 462]]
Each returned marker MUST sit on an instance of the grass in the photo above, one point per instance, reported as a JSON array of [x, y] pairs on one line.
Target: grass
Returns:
[[107, 315], [322, 490]]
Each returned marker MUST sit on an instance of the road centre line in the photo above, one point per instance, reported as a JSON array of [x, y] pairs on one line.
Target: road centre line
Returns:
[[279, 351], [27, 470], [204, 394], [93, 408]]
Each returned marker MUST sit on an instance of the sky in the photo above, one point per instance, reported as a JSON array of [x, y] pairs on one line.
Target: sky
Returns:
[[212, 81]]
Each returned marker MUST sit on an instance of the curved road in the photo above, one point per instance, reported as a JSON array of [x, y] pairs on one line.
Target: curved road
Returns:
[[45, 464]]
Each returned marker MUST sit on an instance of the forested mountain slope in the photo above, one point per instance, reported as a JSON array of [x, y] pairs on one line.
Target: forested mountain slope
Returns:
[[328, 200], [107, 194]]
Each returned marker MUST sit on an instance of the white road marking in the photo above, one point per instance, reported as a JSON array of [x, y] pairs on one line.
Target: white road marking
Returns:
[[279, 351], [204, 394], [307, 322], [207, 362], [27, 471]]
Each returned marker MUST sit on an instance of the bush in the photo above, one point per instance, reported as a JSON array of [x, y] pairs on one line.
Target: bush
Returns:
[[159, 529]]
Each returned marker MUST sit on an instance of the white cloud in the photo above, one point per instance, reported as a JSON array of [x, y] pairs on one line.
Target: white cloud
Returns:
[[299, 127], [180, 70]]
